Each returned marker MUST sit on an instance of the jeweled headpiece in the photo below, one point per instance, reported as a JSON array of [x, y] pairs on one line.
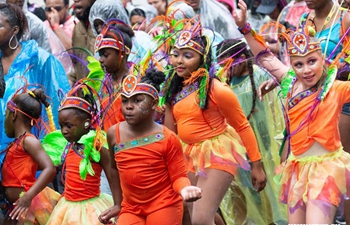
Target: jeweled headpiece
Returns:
[[76, 102], [103, 42], [131, 87], [299, 43], [187, 38]]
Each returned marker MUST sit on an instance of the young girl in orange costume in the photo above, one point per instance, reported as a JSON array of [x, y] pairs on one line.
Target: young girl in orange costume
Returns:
[[209, 121], [28, 199], [79, 146], [149, 160], [316, 176]]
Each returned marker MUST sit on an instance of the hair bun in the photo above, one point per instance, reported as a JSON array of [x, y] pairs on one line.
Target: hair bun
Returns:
[[155, 76]]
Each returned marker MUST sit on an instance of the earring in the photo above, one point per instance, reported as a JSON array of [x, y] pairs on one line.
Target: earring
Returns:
[[13, 48], [87, 124]]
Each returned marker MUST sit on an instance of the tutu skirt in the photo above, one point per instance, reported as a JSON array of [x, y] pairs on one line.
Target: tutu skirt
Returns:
[[325, 178], [224, 152], [41, 207], [82, 212]]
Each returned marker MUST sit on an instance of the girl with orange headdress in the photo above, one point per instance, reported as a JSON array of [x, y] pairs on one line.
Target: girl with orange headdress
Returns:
[[207, 116], [27, 199], [148, 160], [316, 176], [80, 146]]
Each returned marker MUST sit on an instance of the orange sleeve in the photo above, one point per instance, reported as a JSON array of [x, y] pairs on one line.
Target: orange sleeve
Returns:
[[343, 90], [230, 108], [176, 163]]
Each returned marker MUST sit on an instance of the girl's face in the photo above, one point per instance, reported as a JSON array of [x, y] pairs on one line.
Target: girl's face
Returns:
[[309, 68], [72, 124], [185, 61], [9, 124], [110, 59], [138, 108], [137, 22]]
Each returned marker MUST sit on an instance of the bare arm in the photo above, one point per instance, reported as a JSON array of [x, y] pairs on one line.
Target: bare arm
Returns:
[[271, 63], [114, 175], [33, 147]]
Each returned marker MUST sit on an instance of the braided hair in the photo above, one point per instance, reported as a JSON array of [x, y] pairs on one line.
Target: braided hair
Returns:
[[176, 82], [230, 48]]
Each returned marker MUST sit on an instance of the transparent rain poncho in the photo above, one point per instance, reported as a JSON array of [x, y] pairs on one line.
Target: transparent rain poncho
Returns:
[[107, 9], [215, 16]]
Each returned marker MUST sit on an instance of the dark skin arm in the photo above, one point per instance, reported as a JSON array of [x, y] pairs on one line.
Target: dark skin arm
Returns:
[[112, 175], [33, 147]]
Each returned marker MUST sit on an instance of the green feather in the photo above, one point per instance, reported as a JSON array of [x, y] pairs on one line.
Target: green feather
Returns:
[[96, 74], [54, 145]]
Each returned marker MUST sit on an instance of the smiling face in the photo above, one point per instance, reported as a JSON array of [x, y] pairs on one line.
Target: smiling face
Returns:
[[72, 124], [185, 61], [308, 69], [138, 108]]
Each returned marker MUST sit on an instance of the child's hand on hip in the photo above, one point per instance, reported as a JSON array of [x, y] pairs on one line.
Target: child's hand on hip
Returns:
[[191, 193]]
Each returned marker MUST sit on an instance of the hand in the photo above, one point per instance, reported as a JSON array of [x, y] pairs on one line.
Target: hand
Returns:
[[105, 216], [265, 88], [21, 206], [191, 193], [53, 17], [258, 176], [240, 16]]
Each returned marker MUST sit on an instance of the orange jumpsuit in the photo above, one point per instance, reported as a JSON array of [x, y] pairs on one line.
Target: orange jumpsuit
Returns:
[[210, 141], [152, 173]]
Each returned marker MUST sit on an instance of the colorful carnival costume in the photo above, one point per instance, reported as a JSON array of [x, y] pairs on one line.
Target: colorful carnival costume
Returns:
[[208, 141], [19, 170], [151, 169], [242, 204], [147, 189], [317, 168], [81, 201]]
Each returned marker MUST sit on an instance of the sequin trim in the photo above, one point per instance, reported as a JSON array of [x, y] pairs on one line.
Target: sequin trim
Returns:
[[186, 92], [138, 142]]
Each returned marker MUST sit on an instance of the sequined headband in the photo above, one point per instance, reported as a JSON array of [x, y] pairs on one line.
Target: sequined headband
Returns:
[[110, 43], [76, 102], [184, 41], [300, 45], [132, 87]]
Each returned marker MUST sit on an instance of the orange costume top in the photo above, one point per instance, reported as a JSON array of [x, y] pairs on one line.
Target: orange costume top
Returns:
[[77, 189], [19, 167], [113, 115], [323, 125], [195, 125], [152, 172]]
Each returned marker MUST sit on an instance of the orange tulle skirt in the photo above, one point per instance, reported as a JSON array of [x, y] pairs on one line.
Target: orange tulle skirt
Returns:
[[224, 152], [82, 212], [40, 209], [325, 178]]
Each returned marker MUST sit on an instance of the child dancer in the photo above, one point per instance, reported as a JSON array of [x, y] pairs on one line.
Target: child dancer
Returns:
[[83, 159], [113, 45], [210, 122], [149, 160], [316, 175], [241, 203], [28, 199]]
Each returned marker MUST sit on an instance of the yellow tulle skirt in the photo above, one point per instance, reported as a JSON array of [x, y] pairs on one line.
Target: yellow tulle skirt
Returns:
[[325, 178], [83, 212], [41, 208], [224, 152]]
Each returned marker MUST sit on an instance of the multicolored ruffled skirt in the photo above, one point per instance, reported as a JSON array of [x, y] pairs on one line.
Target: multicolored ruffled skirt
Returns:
[[325, 178], [82, 212], [40, 209], [224, 152]]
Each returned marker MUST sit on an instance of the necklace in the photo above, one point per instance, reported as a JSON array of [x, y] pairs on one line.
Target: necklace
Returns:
[[328, 18]]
